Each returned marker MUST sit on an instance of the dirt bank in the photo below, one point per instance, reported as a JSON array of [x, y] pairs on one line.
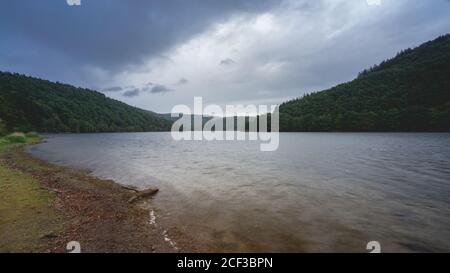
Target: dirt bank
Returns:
[[43, 207]]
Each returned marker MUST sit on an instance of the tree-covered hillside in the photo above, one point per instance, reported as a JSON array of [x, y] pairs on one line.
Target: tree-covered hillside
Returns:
[[30, 104], [410, 92]]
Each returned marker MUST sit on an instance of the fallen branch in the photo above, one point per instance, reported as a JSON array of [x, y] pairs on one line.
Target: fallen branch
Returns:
[[143, 194], [131, 188]]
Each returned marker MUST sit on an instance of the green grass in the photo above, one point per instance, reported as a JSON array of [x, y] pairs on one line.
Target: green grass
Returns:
[[26, 215], [20, 138], [16, 138]]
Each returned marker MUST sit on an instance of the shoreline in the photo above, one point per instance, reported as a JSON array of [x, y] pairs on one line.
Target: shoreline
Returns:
[[92, 211]]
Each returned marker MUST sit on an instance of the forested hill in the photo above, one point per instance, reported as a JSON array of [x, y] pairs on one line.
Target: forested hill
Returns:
[[30, 104], [410, 92]]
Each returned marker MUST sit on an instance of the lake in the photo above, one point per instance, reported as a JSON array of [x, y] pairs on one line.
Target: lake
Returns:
[[318, 192]]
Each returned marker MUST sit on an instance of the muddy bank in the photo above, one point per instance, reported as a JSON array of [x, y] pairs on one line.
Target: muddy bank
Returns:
[[95, 212]]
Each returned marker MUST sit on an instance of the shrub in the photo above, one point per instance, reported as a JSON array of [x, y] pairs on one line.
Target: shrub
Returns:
[[17, 138]]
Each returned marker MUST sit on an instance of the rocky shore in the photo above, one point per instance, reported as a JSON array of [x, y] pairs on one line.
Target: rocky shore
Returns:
[[70, 206]]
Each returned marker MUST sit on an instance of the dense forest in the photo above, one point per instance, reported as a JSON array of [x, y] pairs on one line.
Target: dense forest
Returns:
[[30, 104], [410, 92]]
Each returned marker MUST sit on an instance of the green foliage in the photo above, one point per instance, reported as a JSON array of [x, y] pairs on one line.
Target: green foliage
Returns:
[[19, 138], [16, 138], [410, 92], [30, 104], [3, 142]]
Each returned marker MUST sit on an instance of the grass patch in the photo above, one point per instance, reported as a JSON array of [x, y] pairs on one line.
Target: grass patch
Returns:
[[26, 214], [16, 138], [20, 138]]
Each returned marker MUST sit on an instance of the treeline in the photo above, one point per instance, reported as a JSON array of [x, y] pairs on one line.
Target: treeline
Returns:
[[30, 104], [410, 92]]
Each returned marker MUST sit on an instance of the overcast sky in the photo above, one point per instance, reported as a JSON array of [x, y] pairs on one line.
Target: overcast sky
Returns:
[[156, 54]]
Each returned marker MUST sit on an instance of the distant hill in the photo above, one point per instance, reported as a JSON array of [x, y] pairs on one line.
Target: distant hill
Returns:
[[30, 104], [410, 92]]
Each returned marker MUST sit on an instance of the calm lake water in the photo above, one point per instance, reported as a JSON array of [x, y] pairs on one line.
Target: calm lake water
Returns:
[[318, 192]]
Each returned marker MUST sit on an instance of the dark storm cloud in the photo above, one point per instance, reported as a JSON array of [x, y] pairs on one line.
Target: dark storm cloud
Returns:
[[111, 35]]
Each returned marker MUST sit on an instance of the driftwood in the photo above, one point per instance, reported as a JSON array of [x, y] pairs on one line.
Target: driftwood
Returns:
[[143, 194], [130, 188]]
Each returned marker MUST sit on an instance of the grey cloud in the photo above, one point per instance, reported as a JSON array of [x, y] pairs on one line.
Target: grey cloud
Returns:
[[113, 89], [182, 81], [97, 33], [227, 62], [301, 51], [132, 93], [160, 89], [148, 88]]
